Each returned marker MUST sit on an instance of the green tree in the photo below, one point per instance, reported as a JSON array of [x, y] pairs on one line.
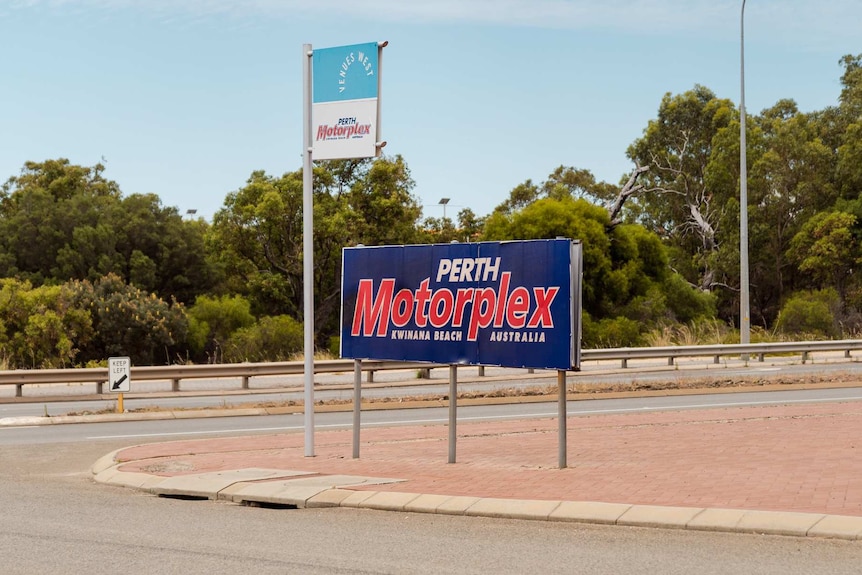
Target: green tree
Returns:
[[789, 181], [258, 233], [212, 321], [59, 221], [682, 202], [443, 230], [846, 129], [564, 181], [40, 209], [826, 250], [626, 273], [382, 203]]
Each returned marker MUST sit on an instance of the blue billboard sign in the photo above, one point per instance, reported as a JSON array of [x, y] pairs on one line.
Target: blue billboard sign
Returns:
[[512, 304]]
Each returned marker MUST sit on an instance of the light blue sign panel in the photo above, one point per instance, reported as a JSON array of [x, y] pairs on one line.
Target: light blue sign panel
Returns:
[[344, 73]]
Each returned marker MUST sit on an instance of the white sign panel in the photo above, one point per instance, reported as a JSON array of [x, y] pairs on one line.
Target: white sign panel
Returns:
[[119, 374], [345, 130]]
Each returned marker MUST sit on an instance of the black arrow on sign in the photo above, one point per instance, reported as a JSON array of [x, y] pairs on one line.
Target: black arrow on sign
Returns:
[[116, 385]]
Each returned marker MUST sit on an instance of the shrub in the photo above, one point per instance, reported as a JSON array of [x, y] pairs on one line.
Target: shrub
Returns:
[[40, 327], [335, 346], [610, 332], [274, 338], [128, 321], [212, 321], [810, 314]]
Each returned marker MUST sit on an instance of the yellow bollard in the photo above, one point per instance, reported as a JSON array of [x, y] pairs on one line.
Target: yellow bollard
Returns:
[[120, 403]]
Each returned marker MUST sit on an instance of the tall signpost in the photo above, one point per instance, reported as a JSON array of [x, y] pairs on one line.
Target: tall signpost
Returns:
[[341, 120], [744, 306]]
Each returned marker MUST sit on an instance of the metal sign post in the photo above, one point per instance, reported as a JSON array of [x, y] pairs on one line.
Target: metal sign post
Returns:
[[307, 252], [561, 416], [340, 120], [357, 404], [453, 411]]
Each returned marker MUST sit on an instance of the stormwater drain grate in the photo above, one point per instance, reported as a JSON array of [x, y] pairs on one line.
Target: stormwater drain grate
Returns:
[[267, 504]]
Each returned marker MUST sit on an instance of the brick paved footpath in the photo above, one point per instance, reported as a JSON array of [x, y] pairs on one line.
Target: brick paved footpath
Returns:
[[805, 458]]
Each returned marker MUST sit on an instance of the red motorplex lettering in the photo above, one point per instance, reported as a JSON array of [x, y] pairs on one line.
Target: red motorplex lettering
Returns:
[[324, 131], [442, 308]]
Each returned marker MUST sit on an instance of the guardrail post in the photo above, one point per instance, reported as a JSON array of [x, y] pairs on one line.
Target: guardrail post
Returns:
[[245, 382], [482, 369], [100, 387], [847, 354], [19, 390], [624, 363], [761, 357], [716, 359], [425, 373], [670, 360], [175, 385], [804, 356], [370, 376]]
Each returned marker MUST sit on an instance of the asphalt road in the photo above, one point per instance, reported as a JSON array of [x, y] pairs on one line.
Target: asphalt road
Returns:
[[226, 393], [56, 520], [144, 431]]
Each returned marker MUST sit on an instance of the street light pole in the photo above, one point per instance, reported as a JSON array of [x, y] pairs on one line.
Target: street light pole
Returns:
[[744, 314], [443, 202]]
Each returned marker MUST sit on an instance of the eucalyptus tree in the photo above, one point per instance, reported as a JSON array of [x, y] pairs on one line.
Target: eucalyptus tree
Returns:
[[257, 235], [60, 221], [628, 286]]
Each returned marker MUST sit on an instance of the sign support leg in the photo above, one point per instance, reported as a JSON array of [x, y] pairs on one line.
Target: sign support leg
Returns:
[[120, 408], [453, 411], [357, 402], [561, 385]]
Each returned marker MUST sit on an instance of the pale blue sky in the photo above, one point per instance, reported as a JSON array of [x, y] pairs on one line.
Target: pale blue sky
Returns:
[[185, 98]]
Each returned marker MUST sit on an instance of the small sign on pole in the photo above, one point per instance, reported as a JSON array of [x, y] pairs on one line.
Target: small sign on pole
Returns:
[[119, 374], [119, 378]]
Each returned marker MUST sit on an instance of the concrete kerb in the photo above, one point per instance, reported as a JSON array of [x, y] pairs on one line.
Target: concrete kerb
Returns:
[[298, 491], [658, 516], [309, 490], [589, 512], [838, 527], [513, 509], [210, 485]]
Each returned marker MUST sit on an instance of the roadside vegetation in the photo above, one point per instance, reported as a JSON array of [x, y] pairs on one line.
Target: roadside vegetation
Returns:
[[87, 272]]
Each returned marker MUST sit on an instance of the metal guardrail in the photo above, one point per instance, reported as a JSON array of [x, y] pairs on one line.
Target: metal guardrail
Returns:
[[177, 373], [805, 348]]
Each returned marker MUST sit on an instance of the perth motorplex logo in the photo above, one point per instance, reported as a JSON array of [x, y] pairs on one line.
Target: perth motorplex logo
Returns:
[[344, 129], [387, 312]]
